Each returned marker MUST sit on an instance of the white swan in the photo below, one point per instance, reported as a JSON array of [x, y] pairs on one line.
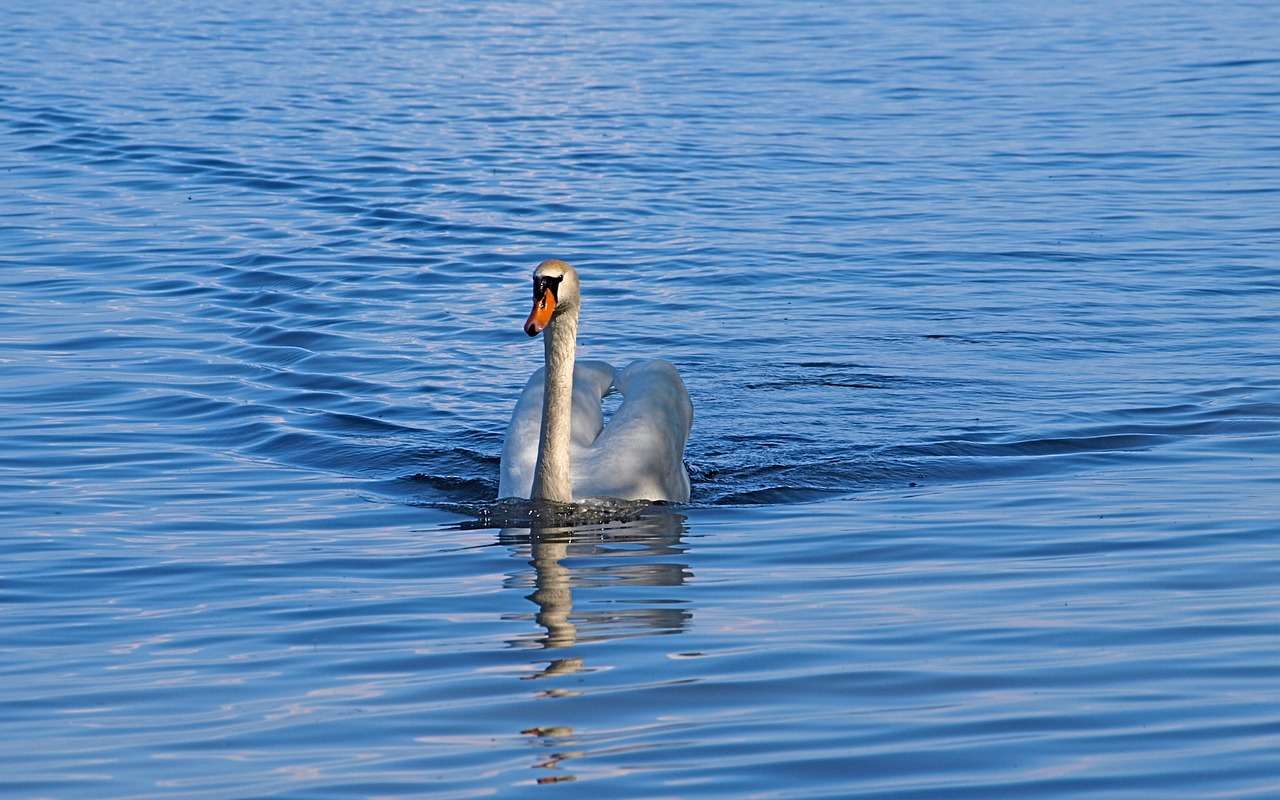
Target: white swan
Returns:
[[558, 447]]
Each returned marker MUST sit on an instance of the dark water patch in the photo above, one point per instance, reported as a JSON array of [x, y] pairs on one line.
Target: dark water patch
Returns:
[[1236, 63], [176, 287], [389, 218], [576, 522], [440, 491], [340, 387], [271, 184], [186, 408], [1042, 447], [310, 340]]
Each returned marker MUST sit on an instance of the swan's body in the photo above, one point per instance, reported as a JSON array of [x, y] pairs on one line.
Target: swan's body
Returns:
[[558, 447]]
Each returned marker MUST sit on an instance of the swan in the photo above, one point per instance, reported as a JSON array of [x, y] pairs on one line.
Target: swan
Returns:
[[557, 446]]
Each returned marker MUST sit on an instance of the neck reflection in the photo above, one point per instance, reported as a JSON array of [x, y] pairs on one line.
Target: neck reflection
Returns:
[[606, 566]]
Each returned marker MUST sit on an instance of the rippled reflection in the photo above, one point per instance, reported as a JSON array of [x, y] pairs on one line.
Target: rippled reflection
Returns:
[[614, 570], [607, 563]]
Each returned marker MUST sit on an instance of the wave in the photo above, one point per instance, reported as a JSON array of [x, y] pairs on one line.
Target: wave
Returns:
[[804, 472]]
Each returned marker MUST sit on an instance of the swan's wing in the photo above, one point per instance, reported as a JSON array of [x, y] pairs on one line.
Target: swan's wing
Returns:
[[591, 382], [640, 454], [520, 446]]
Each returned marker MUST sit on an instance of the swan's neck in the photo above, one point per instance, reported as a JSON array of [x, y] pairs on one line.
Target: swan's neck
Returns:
[[551, 478]]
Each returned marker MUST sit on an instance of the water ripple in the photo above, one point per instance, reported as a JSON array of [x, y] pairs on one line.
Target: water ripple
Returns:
[[978, 316]]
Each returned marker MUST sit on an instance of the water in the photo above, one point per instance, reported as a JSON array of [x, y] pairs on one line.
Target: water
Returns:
[[977, 305]]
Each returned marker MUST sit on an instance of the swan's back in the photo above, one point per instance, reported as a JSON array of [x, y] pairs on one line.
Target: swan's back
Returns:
[[640, 453]]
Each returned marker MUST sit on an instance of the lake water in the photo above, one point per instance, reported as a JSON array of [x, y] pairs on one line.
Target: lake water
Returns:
[[978, 304]]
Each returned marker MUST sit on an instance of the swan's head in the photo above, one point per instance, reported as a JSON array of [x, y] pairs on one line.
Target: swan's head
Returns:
[[555, 289]]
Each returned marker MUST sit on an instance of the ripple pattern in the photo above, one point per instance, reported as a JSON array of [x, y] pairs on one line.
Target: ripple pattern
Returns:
[[977, 306]]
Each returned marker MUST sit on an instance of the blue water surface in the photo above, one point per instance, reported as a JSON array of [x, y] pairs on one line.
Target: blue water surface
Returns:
[[978, 304]]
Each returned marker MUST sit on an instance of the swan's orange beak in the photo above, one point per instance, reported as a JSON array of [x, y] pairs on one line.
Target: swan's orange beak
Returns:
[[543, 304]]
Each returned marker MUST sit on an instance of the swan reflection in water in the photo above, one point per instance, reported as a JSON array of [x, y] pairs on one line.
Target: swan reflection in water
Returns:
[[617, 557], [613, 569]]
